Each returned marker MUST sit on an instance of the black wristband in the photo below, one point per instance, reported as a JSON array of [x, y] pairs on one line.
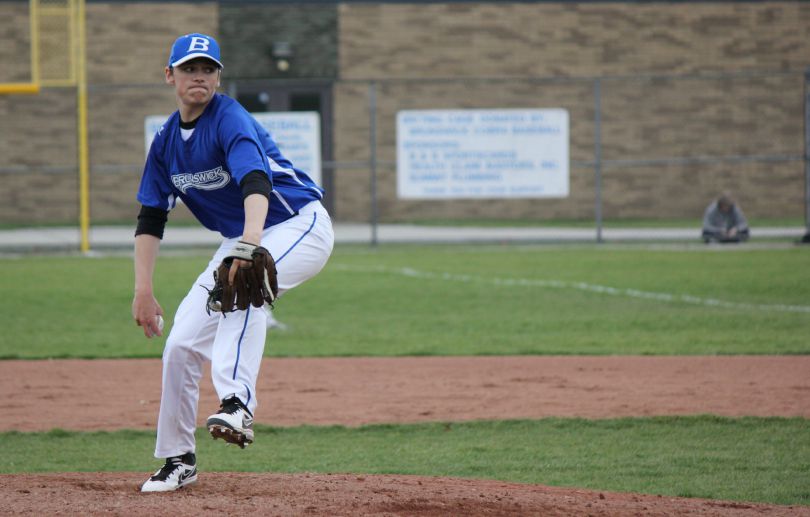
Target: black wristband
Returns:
[[256, 182], [151, 221]]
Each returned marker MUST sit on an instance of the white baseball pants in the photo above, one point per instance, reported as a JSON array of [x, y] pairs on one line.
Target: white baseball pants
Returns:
[[234, 343]]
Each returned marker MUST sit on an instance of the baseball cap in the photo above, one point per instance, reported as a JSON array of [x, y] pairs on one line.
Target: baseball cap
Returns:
[[192, 46]]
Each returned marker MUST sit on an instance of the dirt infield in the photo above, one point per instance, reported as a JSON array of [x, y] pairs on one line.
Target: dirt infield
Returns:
[[377, 390], [126, 394], [333, 495]]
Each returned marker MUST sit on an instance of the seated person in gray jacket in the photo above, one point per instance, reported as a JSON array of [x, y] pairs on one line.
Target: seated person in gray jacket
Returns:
[[723, 221]]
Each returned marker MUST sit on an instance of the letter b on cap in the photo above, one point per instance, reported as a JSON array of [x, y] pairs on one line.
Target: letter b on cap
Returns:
[[198, 43]]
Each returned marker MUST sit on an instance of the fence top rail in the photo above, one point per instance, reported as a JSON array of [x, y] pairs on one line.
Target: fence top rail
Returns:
[[705, 75]]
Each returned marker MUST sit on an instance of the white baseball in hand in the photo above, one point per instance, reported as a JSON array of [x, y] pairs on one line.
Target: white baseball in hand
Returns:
[[159, 319]]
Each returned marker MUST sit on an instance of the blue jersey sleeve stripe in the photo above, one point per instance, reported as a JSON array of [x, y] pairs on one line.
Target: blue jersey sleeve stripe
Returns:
[[283, 202], [276, 167]]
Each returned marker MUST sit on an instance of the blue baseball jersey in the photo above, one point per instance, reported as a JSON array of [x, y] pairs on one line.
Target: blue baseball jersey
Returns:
[[205, 171]]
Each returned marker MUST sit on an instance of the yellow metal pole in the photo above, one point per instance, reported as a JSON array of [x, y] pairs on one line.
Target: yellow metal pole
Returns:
[[19, 88], [84, 154], [34, 14], [33, 86]]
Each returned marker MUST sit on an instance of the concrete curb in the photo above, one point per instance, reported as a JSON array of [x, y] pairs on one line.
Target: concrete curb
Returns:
[[116, 237]]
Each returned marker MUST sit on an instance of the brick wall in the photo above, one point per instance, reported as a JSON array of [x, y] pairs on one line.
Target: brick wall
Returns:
[[642, 118], [127, 48], [15, 51], [37, 132], [570, 39]]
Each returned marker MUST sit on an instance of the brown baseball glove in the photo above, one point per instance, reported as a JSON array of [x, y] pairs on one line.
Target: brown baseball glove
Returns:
[[255, 284]]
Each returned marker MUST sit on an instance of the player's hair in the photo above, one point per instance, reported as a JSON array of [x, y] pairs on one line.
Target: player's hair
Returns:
[[725, 198]]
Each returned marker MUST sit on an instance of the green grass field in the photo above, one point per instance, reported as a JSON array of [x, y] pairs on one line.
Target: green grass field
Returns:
[[762, 459], [463, 300], [448, 300]]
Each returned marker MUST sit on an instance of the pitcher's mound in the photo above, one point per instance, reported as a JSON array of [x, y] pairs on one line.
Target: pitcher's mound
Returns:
[[79, 493]]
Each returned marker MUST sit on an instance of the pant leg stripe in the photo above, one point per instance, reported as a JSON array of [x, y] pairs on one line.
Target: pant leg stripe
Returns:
[[314, 218], [239, 343], [249, 394]]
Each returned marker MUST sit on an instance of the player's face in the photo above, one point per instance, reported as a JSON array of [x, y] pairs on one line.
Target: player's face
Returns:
[[194, 81]]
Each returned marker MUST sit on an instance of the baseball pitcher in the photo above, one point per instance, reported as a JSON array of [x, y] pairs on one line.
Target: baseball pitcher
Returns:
[[276, 234]]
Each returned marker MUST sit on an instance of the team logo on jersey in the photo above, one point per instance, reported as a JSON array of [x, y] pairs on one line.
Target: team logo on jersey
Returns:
[[206, 180]]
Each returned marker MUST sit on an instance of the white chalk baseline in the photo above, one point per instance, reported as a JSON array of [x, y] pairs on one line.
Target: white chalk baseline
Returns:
[[580, 286]]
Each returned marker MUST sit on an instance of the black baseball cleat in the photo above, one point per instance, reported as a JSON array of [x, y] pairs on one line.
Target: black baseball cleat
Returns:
[[177, 472], [233, 422]]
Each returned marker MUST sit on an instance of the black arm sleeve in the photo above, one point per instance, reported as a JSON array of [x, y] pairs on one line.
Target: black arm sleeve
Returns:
[[256, 182], [151, 221]]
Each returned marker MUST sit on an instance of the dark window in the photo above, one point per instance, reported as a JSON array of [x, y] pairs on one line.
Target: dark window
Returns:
[[305, 102]]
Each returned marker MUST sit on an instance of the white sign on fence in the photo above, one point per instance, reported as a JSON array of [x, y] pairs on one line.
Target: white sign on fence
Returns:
[[297, 134], [508, 153]]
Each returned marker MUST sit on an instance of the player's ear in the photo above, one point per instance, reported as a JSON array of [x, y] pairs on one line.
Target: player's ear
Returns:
[[219, 77], [169, 73]]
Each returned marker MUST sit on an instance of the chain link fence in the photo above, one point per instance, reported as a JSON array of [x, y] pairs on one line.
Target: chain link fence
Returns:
[[641, 147]]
